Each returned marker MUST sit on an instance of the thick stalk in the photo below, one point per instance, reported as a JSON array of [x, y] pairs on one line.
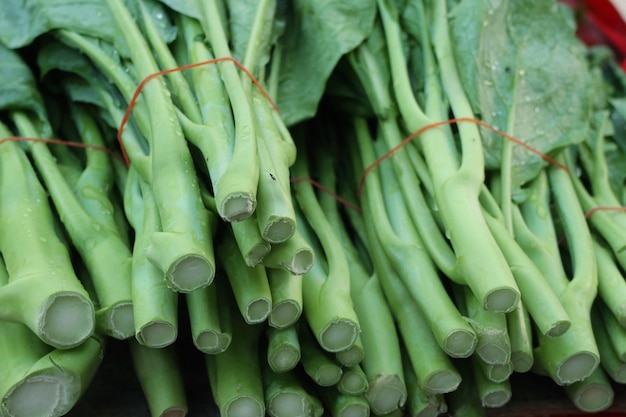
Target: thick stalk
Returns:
[[234, 206], [283, 348], [235, 374], [353, 381], [209, 318], [106, 255], [285, 395], [155, 305], [520, 334], [286, 290], [294, 255], [43, 291], [161, 380], [413, 265], [315, 361], [250, 285], [184, 249]]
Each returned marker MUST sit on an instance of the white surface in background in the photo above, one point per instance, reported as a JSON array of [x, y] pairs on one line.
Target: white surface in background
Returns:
[[620, 5]]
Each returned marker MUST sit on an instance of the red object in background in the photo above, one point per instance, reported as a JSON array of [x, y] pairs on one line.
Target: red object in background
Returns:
[[599, 22]]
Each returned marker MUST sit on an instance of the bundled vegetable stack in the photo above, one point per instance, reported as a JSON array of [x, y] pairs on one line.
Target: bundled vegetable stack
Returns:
[[201, 149]]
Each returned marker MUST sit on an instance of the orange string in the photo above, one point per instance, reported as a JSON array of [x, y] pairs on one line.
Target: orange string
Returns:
[[143, 82], [604, 208], [327, 191], [63, 143], [448, 122]]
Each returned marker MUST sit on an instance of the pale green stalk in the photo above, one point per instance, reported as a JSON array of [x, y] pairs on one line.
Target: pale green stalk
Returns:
[[456, 186], [209, 318], [592, 394], [352, 356], [541, 302], [294, 255], [250, 285], [252, 246], [419, 403], [610, 361], [330, 310], [520, 334], [184, 249], [285, 395], [412, 264], [54, 383], [315, 361], [283, 348], [342, 405], [235, 374], [286, 290], [492, 394], [236, 195], [43, 291], [494, 346], [573, 355], [615, 331], [611, 283], [161, 380], [86, 212], [275, 211], [353, 381], [155, 305], [33, 383]]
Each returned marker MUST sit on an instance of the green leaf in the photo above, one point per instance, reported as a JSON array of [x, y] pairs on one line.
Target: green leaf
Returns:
[[21, 21], [241, 16], [525, 73], [317, 35], [19, 91]]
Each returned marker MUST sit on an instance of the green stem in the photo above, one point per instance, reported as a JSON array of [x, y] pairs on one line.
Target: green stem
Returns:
[[342, 405], [242, 394], [155, 306], [593, 394], [494, 346], [285, 395], [283, 348], [234, 205], [106, 254], [492, 394], [294, 255], [44, 292], [611, 284], [315, 361], [353, 381], [286, 290], [252, 246], [275, 210], [520, 335], [161, 380], [249, 284], [209, 319], [413, 265], [184, 249]]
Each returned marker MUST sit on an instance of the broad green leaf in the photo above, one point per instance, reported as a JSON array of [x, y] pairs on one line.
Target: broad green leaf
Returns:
[[317, 35], [21, 21], [19, 91], [525, 73], [241, 17]]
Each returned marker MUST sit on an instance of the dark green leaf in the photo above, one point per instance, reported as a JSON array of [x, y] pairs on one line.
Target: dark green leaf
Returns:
[[317, 35], [19, 91], [21, 21], [526, 73]]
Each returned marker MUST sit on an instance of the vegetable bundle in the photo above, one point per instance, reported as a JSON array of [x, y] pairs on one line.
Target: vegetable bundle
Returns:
[[201, 149]]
